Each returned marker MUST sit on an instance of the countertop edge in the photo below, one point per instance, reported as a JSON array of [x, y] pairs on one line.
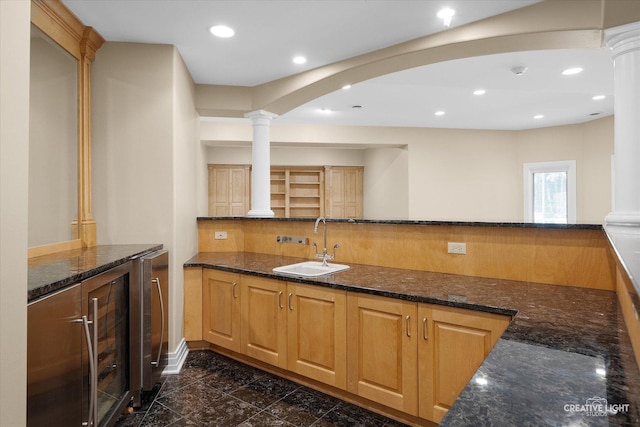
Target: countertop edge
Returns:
[[42, 290], [364, 290], [504, 224]]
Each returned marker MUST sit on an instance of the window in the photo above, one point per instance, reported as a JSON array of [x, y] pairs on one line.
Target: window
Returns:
[[550, 192]]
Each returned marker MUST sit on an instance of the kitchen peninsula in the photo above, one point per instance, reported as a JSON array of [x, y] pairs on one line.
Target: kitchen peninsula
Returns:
[[566, 345]]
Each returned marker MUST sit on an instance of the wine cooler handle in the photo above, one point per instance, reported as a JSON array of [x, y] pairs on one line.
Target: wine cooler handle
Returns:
[[92, 368], [157, 282], [94, 387]]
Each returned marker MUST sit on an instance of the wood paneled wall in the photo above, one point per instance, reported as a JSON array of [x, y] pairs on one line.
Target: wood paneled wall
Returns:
[[570, 257]]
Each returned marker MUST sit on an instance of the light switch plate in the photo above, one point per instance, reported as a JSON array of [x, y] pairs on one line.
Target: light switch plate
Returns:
[[220, 235]]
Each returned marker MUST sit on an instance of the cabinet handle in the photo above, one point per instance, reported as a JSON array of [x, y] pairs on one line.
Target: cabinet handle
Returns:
[[233, 290], [408, 319], [424, 328], [92, 369], [157, 282], [289, 301], [280, 300], [94, 380]]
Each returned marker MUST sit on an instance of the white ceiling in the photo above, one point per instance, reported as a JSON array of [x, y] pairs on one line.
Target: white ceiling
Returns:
[[269, 33]]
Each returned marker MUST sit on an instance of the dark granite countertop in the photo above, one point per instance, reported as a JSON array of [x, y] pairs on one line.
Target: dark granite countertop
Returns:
[[49, 273], [506, 224], [566, 346]]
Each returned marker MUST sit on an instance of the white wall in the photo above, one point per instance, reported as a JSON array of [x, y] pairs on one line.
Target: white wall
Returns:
[[386, 183], [186, 158], [449, 174], [15, 17], [291, 156], [145, 149], [466, 175]]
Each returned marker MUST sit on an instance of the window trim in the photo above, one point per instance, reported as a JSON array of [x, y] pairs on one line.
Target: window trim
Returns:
[[529, 169]]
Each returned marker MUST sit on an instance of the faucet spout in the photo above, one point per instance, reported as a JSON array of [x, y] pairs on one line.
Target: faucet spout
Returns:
[[324, 254]]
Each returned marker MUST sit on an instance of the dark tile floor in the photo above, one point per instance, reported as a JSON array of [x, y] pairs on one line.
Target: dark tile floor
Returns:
[[213, 390]]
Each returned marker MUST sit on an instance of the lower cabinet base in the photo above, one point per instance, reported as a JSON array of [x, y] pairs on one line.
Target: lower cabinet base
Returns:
[[331, 391]]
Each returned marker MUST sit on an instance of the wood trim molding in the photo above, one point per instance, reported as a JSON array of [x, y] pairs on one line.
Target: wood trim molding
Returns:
[[54, 247], [54, 19]]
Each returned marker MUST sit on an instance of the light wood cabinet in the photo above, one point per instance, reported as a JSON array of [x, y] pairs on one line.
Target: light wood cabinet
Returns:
[[229, 190], [452, 345], [297, 192], [264, 317], [221, 309], [382, 351], [344, 191], [412, 357], [317, 333]]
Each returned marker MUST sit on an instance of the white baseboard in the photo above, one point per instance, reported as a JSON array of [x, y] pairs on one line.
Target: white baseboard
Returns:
[[176, 360]]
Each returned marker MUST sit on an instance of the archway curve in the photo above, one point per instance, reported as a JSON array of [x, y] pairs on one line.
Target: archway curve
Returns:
[[557, 24]]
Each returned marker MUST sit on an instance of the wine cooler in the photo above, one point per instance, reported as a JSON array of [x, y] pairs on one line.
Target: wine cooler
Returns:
[[105, 315]]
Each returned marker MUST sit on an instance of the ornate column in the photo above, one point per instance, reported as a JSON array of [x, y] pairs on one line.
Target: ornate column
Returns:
[[624, 42], [261, 164]]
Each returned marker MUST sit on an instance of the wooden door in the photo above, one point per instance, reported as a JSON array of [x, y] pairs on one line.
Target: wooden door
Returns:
[[264, 327], [317, 333], [221, 309], [382, 351], [453, 344]]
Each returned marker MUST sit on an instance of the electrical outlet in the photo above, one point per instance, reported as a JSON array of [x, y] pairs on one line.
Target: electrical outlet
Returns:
[[457, 248], [220, 235]]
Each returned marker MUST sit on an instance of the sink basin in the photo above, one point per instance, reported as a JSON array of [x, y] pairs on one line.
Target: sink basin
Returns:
[[310, 269]]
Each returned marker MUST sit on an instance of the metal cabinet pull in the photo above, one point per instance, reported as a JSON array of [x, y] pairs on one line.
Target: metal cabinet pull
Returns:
[[289, 301], [94, 380], [424, 328], [233, 290], [156, 280], [280, 300], [408, 319], [92, 369]]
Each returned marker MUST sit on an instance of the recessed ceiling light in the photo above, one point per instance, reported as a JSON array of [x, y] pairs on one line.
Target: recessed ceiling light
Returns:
[[572, 71], [479, 92], [598, 97], [538, 116], [345, 87], [439, 113], [325, 110], [299, 59], [446, 14], [222, 31]]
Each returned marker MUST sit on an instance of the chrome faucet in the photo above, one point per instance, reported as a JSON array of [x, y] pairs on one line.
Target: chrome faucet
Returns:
[[324, 255]]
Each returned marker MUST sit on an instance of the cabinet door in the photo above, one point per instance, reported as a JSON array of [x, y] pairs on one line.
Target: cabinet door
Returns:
[[317, 333], [344, 191], [264, 327], [383, 350], [54, 360], [221, 309], [453, 344], [229, 190]]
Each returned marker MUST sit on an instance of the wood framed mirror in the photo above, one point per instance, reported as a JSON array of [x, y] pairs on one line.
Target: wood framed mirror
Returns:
[[60, 127]]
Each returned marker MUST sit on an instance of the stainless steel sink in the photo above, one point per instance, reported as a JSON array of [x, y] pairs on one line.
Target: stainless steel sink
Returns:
[[310, 269]]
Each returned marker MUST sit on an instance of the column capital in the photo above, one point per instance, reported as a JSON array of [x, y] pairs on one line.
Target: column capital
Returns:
[[260, 115], [623, 39]]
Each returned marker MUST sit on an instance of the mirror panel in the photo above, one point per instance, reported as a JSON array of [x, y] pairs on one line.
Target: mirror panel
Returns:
[[53, 142]]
